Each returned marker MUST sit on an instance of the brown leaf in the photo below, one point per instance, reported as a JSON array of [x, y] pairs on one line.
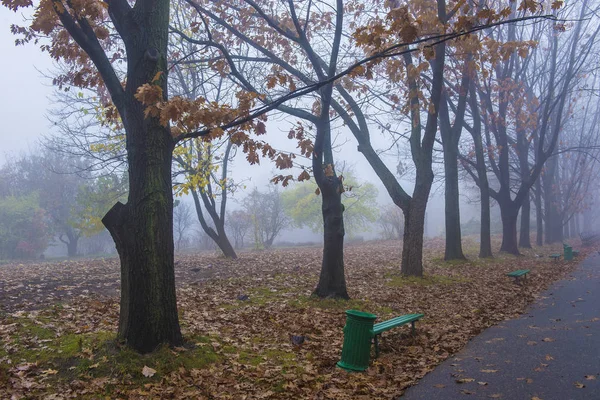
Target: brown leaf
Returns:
[[465, 380], [579, 385], [148, 372]]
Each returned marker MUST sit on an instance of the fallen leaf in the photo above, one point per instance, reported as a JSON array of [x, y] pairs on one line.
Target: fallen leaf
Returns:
[[465, 380], [549, 357], [50, 372], [439, 385], [590, 377], [148, 372], [489, 371], [482, 383], [579, 385], [547, 339]]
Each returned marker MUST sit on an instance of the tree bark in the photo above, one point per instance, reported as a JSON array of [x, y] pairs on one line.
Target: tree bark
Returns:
[[485, 236], [72, 247], [414, 226], [539, 214], [452, 205], [509, 228], [524, 236], [143, 233], [218, 235], [143, 228], [332, 281], [553, 219]]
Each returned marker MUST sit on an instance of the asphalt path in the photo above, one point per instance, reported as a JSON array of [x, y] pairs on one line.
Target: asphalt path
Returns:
[[552, 352]]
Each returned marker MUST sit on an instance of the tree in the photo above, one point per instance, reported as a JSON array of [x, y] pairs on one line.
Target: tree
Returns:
[[182, 220], [239, 223], [391, 221], [23, 227], [282, 48], [143, 227], [267, 214], [303, 206], [503, 95]]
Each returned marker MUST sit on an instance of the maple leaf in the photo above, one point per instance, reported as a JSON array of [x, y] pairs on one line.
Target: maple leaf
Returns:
[[260, 128]]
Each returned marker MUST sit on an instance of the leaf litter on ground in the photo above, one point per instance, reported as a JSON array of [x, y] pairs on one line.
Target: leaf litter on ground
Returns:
[[62, 317]]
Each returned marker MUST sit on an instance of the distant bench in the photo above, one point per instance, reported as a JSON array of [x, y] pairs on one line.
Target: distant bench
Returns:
[[555, 256], [381, 327], [518, 274]]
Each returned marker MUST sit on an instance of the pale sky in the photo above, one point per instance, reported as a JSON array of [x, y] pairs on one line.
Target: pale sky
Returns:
[[25, 92]]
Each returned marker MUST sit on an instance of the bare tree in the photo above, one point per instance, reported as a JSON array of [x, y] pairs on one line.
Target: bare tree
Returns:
[[182, 222]]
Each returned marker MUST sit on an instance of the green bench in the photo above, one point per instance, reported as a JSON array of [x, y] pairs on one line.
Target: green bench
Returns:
[[518, 274], [381, 327], [555, 256]]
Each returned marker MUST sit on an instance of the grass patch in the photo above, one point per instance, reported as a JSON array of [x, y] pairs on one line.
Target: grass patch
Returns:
[[427, 280], [95, 354]]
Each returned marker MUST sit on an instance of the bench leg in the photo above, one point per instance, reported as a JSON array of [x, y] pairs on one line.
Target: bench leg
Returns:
[[376, 341], [412, 328]]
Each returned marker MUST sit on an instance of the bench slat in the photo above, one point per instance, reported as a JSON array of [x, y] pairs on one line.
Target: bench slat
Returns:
[[519, 272], [394, 322]]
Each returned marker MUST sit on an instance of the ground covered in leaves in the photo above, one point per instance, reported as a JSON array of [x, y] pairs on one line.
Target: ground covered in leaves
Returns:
[[57, 323]]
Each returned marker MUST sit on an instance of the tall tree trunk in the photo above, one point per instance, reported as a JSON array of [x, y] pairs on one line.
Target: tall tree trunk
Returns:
[[143, 228], [414, 225], [539, 214], [143, 233], [72, 247], [485, 236], [332, 281], [572, 229], [524, 236], [509, 227], [452, 205], [219, 236], [554, 228]]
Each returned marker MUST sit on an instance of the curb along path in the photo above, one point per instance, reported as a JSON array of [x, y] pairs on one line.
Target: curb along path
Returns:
[[552, 352]]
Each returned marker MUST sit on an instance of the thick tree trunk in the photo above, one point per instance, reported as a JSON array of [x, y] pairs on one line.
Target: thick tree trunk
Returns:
[[143, 228], [524, 234], [509, 227], [412, 245], [414, 226], [225, 245], [554, 227], [143, 233], [452, 212], [485, 245], [332, 281], [72, 246]]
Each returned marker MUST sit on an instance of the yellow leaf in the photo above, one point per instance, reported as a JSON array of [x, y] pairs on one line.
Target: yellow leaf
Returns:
[[157, 76]]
